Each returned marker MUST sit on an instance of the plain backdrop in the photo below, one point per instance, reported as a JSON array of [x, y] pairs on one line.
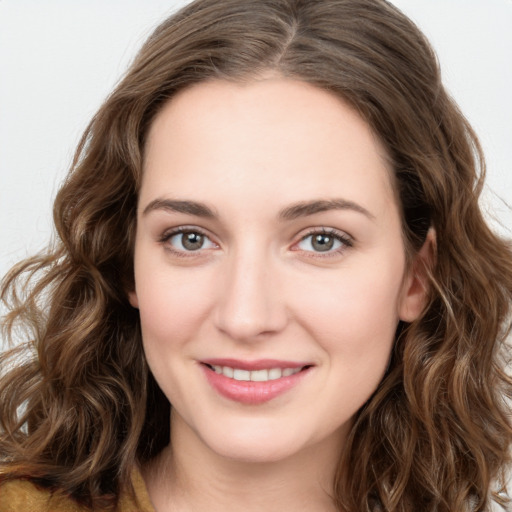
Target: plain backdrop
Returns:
[[60, 58]]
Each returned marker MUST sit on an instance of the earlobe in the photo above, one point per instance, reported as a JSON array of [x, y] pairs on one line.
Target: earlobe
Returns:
[[132, 297], [416, 288]]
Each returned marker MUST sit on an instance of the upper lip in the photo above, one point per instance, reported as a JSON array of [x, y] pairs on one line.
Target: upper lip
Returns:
[[259, 364]]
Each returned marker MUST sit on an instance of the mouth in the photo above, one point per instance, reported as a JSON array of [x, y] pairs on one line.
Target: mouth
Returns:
[[263, 375], [255, 382]]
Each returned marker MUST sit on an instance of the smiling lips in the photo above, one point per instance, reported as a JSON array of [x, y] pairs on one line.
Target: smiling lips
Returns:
[[255, 375], [254, 382]]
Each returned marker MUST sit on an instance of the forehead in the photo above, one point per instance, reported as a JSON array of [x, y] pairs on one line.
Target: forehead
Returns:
[[276, 140]]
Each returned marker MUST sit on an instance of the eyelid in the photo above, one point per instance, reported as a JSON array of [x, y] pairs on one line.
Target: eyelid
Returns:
[[169, 233], [346, 240]]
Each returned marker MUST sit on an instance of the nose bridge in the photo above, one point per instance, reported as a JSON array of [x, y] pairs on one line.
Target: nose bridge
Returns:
[[249, 302]]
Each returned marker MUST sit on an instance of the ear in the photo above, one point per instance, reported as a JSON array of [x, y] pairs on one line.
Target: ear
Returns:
[[134, 300], [415, 289]]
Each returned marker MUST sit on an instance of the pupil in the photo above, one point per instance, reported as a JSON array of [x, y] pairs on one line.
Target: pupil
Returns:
[[192, 241], [323, 242]]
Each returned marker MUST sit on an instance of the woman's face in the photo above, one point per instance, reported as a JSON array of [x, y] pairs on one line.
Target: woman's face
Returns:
[[270, 271]]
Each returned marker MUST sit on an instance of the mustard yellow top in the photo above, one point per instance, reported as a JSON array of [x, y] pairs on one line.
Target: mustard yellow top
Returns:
[[23, 496]]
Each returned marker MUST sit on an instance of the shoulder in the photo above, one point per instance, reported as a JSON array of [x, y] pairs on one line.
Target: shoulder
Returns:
[[23, 496]]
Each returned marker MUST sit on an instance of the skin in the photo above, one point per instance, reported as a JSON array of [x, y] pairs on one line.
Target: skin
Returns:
[[259, 288]]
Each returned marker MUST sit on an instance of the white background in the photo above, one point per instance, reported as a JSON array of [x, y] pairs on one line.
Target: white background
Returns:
[[60, 58]]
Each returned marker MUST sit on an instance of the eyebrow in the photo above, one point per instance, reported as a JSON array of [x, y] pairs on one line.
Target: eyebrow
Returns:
[[172, 205], [305, 208], [294, 211]]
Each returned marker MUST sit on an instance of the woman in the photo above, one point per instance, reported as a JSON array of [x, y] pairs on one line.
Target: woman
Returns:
[[271, 224]]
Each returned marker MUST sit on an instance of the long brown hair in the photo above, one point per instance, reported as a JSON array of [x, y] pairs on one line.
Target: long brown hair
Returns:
[[78, 405]]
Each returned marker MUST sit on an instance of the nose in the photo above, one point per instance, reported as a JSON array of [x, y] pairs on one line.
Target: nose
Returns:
[[250, 304]]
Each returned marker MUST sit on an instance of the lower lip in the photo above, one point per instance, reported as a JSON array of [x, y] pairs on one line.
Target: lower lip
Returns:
[[249, 392]]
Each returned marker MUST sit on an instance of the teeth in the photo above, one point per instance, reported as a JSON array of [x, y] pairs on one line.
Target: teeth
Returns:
[[275, 373], [255, 375], [259, 375], [241, 374], [228, 372]]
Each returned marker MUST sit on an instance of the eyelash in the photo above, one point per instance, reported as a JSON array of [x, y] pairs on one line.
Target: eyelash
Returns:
[[345, 240], [164, 239]]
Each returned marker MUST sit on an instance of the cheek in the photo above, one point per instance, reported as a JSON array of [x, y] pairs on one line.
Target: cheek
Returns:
[[354, 325], [353, 314], [172, 305]]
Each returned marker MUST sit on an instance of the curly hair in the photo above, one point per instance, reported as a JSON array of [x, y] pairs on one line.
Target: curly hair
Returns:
[[78, 404]]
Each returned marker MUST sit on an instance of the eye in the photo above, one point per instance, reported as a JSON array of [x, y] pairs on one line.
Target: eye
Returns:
[[187, 240], [324, 241]]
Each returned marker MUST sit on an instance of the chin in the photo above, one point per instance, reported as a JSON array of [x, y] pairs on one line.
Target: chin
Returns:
[[254, 445], [257, 453]]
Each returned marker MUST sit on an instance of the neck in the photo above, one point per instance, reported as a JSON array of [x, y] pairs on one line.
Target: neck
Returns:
[[188, 476]]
